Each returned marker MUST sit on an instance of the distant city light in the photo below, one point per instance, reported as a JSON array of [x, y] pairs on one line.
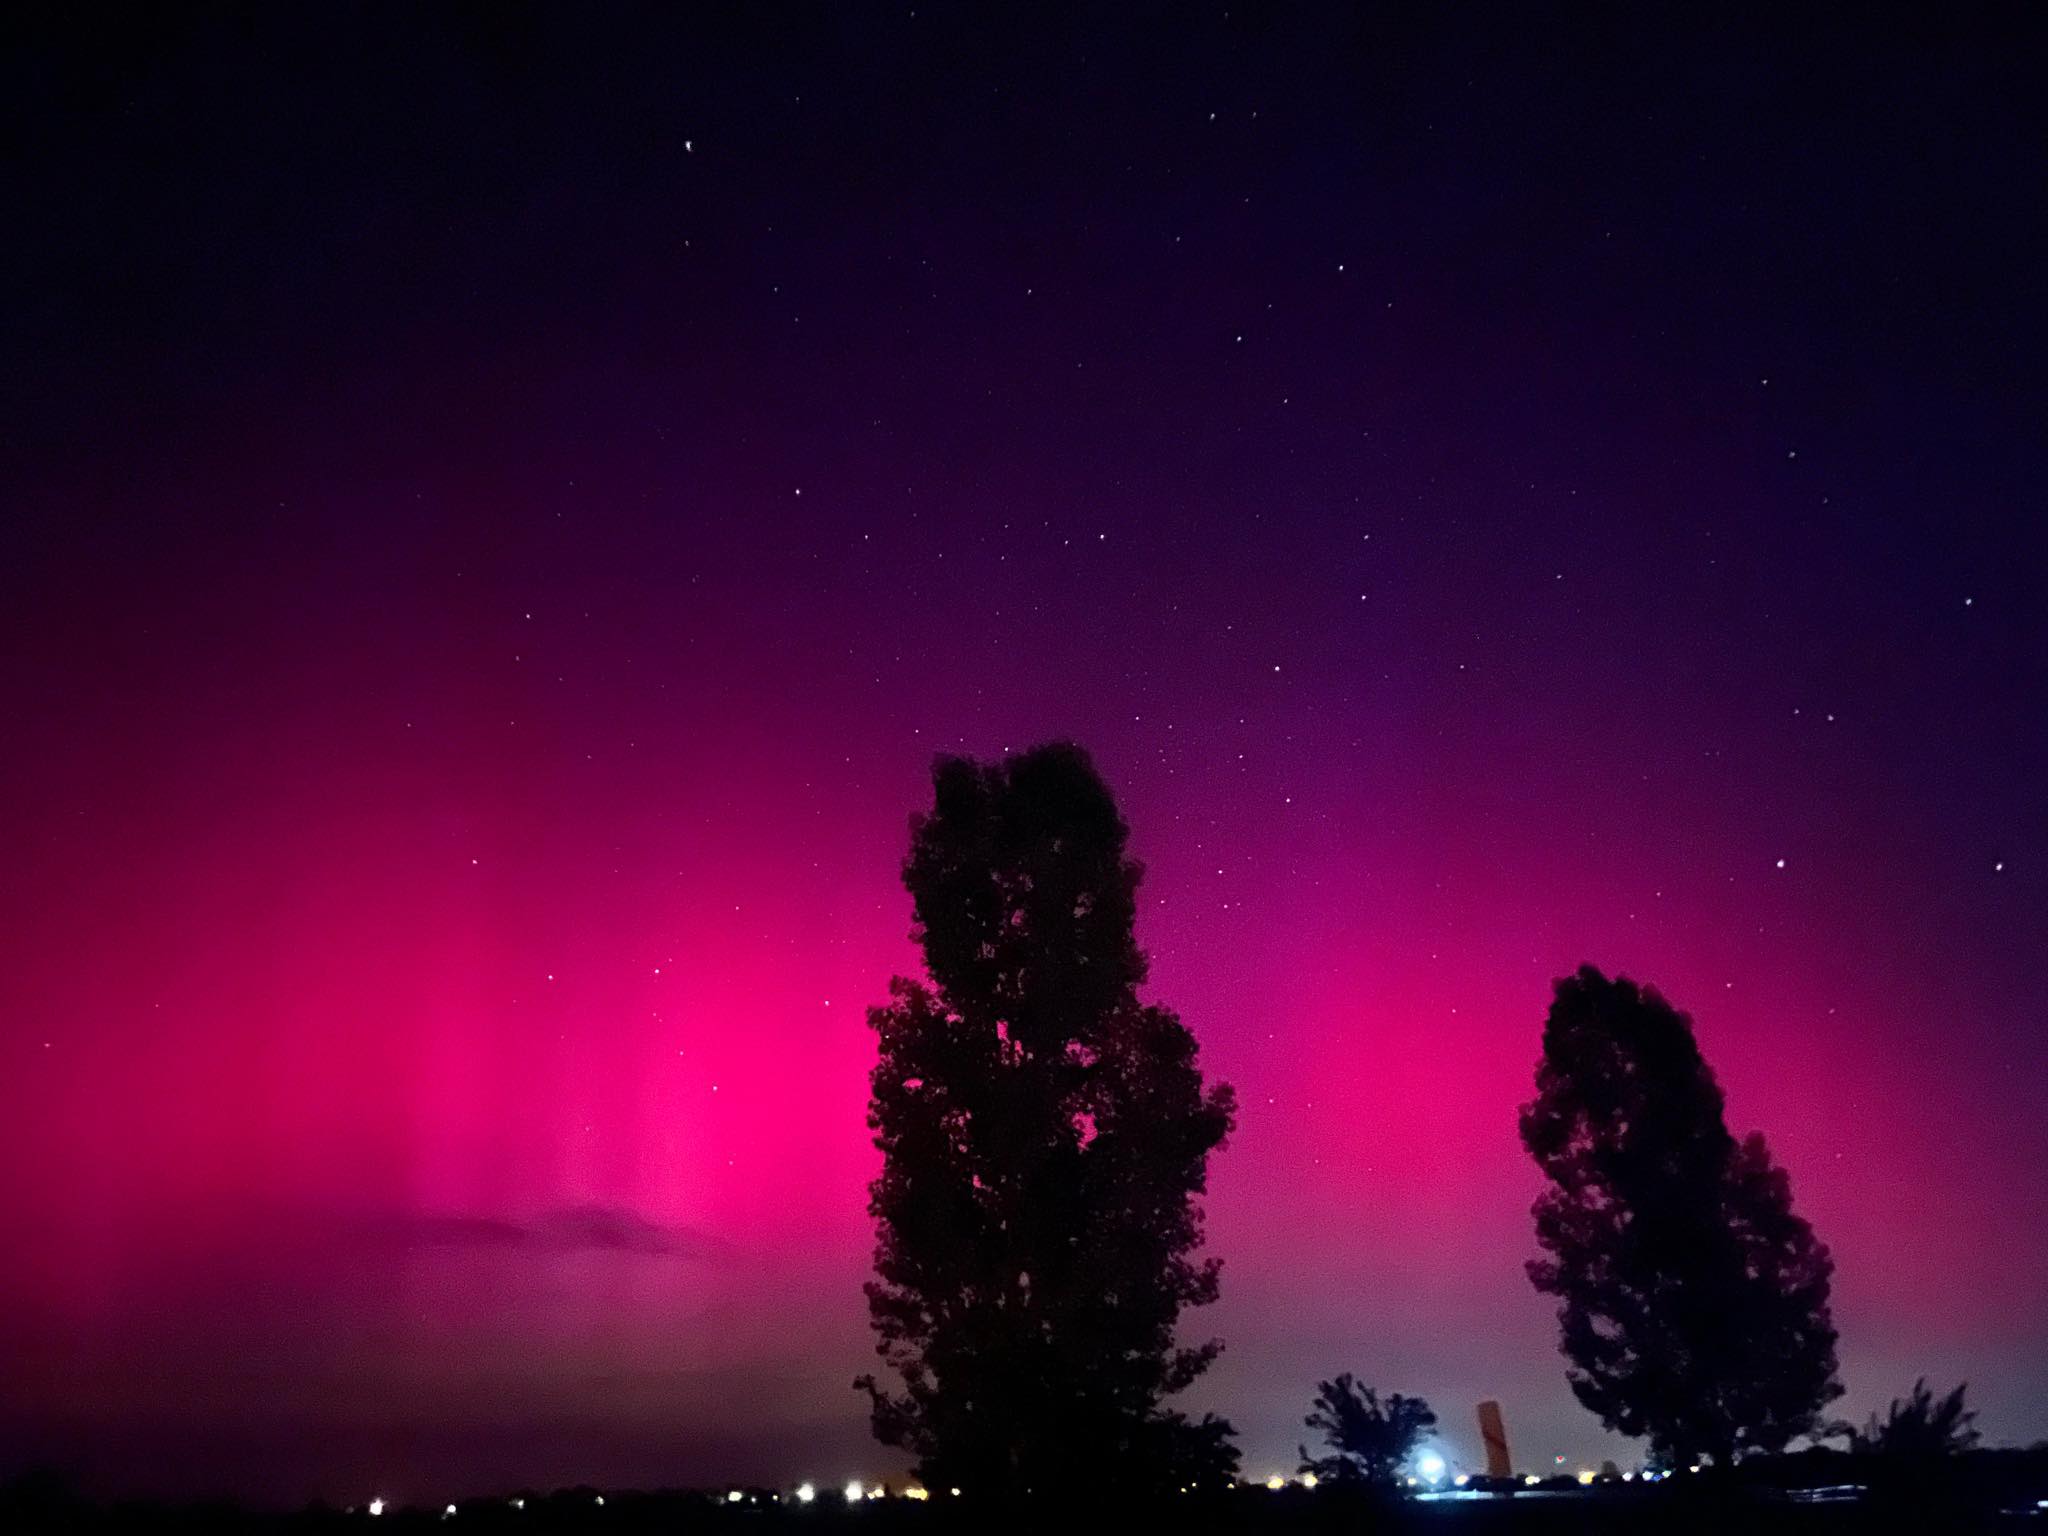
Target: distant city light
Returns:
[[1461, 1480], [854, 1491], [1693, 1468], [1628, 1477], [918, 1494], [1430, 1465], [806, 1493], [1585, 1478], [734, 1496], [955, 1492], [1308, 1479], [519, 1503], [1529, 1480], [1276, 1482], [600, 1501], [376, 1506], [448, 1513]]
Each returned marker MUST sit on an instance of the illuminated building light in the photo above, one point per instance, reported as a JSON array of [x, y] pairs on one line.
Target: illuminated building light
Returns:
[[1628, 1477], [735, 1497], [806, 1493], [918, 1494], [1529, 1480], [854, 1493], [376, 1506], [1585, 1478], [1308, 1479], [1276, 1482]]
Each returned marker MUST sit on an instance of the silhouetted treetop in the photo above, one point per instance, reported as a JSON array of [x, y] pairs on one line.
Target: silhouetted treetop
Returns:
[[1023, 898], [1370, 1439], [1917, 1427]]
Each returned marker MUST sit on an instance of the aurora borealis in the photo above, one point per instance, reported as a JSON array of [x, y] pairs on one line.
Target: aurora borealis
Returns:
[[502, 514]]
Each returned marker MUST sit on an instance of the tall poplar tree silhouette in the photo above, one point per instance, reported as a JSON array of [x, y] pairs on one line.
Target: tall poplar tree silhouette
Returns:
[[1693, 1301], [1045, 1136]]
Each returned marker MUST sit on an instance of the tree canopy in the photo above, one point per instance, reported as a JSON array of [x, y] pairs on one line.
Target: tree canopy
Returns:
[[1370, 1440], [1919, 1427], [1693, 1301], [1045, 1138]]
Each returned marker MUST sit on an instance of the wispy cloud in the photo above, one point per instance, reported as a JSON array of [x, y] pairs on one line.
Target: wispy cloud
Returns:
[[568, 1229]]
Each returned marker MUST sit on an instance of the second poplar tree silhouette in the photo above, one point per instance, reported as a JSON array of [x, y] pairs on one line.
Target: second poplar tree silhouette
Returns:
[[1045, 1138], [1693, 1300]]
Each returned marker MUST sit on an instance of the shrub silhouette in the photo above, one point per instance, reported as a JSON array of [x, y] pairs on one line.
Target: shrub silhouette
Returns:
[[1369, 1439]]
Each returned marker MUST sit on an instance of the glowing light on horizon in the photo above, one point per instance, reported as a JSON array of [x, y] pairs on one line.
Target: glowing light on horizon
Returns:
[[1585, 1478], [734, 1496], [1308, 1479], [854, 1491], [805, 1493], [376, 1506], [918, 1494], [1431, 1465], [1276, 1482]]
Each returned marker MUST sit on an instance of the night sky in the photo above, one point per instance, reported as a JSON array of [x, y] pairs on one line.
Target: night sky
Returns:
[[499, 509]]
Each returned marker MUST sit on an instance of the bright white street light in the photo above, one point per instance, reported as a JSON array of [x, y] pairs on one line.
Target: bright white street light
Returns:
[[376, 1506], [1276, 1482], [806, 1493], [734, 1496], [854, 1492], [1308, 1479], [448, 1513], [1430, 1465]]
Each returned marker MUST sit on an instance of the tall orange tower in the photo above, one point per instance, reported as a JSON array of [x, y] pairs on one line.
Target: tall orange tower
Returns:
[[1494, 1431]]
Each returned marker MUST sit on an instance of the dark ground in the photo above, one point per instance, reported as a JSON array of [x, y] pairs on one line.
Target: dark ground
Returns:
[[1253, 1511]]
